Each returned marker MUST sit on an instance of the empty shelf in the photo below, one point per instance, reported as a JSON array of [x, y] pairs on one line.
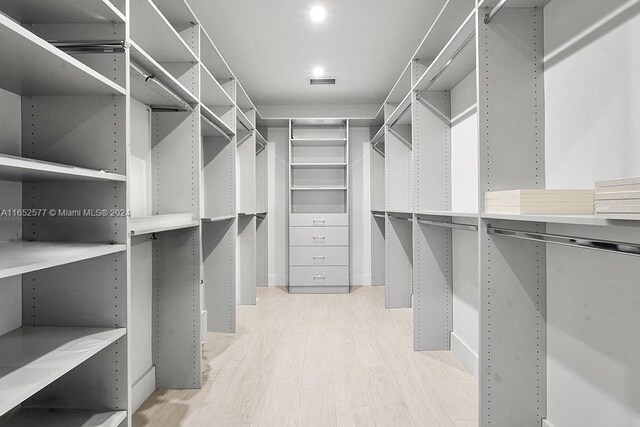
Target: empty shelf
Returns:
[[447, 70], [159, 223], [516, 3], [14, 168], [402, 114], [177, 12], [44, 417], [31, 358], [21, 257], [212, 59], [326, 142], [211, 93], [319, 165], [153, 32], [38, 68], [244, 120], [319, 188], [62, 11], [153, 85], [215, 120], [449, 213], [219, 218]]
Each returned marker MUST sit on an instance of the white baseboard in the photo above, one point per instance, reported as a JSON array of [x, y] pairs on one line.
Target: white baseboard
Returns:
[[143, 388], [277, 280], [464, 354], [361, 280]]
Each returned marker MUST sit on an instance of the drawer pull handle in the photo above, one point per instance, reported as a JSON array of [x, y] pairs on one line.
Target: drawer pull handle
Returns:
[[318, 237], [319, 276], [318, 220], [319, 256]]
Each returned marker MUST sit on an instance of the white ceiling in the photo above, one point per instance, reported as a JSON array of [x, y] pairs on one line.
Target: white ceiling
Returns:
[[272, 45]]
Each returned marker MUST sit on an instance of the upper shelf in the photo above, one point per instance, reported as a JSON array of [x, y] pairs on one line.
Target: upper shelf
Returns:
[[158, 223], [151, 84], [456, 60], [244, 120], [62, 11], [155, 34], [598, 220], [401, 88], [14, 168], [46, 417], [327, 142], [177, 12], [212, 59], [515, 3], [34, 67], [402, 114], [211, 93], [318, 165], [217, 121], [31, 358], [19, 257]]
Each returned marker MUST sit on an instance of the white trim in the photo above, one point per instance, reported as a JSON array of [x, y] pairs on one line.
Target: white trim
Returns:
[[143, 388]]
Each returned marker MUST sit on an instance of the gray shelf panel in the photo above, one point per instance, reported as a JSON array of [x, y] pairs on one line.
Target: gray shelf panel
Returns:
[[14, 168], [44, 417], [31, 358], [159, 223], [62, 11], [38, 68], [20, 257], [155, 34], [217, 121]]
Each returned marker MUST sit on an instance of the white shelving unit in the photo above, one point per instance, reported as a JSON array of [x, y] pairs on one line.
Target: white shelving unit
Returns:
[[319, 206], [118, 169], [544, 291]]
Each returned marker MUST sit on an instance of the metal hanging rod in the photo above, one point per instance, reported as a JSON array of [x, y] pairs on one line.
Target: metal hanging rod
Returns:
[[375, 147], [400, 218], [489, 16], [377, 215], [261, 216], [101, 46], [245, 126], [407, 108], [446, 66], [579, 242], [151, 78], [213, 125], [400, 137], [455, 225]]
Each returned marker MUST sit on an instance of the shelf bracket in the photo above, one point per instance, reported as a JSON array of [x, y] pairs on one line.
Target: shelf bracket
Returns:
[[623, 248]]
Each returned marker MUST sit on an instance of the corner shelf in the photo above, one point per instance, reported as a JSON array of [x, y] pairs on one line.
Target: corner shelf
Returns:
[[15, 168], [31, 358], [38, 68], [160, 223], [45, 417], [19, 257]]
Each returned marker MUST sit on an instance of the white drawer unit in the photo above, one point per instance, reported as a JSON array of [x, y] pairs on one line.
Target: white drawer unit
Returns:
[[321, 255], [319, 236], [319, 220], [319, 276]]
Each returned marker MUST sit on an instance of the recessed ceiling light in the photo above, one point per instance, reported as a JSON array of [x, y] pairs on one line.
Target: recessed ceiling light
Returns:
[[317, 13], [318, 72]]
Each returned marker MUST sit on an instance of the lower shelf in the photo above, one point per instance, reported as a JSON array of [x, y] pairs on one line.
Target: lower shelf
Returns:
[[63, 418], [158, 223], [31, 358]]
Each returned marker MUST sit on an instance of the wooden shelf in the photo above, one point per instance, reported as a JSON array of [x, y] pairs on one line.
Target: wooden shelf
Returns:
[[19, 257], [45, 417], [65, 11], [159, 223], [14, 168], [155, 34], [38, 68], [461, 66], [31, 358], [163, 89]]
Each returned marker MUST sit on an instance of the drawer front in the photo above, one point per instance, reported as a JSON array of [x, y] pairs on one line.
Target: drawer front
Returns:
[[319, 220], [301, 255], [318, 276], [319, 236]]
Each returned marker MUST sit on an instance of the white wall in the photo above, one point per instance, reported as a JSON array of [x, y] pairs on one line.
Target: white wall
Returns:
[[279, 206]]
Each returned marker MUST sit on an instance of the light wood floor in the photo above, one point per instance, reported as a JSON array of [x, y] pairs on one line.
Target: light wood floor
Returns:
[[320, 360]]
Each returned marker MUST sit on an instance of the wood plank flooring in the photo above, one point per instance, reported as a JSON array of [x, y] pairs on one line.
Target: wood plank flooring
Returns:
[[320, 360]]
